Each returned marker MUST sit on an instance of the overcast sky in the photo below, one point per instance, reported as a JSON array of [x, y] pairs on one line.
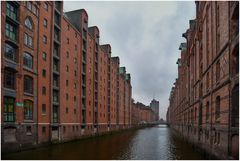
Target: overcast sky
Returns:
[[146, 37]]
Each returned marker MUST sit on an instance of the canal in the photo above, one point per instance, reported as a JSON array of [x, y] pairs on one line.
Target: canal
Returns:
[[149, 143]]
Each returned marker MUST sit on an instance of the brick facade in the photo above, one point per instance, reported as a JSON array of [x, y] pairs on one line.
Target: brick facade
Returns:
[[204, 100], [73, 87]]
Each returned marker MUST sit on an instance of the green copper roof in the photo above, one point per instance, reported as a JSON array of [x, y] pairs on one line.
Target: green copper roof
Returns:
[[122, 70]]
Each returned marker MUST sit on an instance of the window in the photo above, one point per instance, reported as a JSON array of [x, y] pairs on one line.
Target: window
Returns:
[[28, 110], [34, 9], [29, 130], [43, 108], [207, 111], [46, 6], [56, 34], [28, 23], [11, 11], [45, 22], [55, 114], [25, 39], [66, 110], [217, 16], [218, 41], [43, 129], [217, 71], [66, 82], [58, 5], [55, 81], [55, 65], [11, 31], [55, 96], [44, 73], [57, 19], [75, 111], [28, 40], [235, 60], [27, 60], [67, 40], [56, 50], [28, 84], [67, 54], [207, 81], [10, 53], [66, 96], [75, 86], [45, 39], [9, 115], [218, 138], [84, 45], [217, 107], [43, 90], [75, 98], [29, 5], [67, 68], [9, 78], [75, 73], [44, 56]]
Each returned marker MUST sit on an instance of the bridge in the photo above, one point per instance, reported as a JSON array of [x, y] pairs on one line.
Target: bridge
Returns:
[[160, 122]]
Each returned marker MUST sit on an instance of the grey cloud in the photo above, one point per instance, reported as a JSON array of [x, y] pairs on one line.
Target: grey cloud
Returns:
[[146, 37]]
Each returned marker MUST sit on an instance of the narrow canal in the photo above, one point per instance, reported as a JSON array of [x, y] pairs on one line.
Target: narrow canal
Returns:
[[150, 143]]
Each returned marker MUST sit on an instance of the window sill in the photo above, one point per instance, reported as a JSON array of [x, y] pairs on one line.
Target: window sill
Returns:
[[28, 133], [9, 89], [28, 121], [28, 69], [12, 42], [30, 47], [28, 94], [10, 61]]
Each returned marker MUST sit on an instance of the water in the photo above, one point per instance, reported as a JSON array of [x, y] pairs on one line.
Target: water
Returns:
[[156, 142]]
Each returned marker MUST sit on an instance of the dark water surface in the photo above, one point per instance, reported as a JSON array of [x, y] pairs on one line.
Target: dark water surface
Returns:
[[150, 143]]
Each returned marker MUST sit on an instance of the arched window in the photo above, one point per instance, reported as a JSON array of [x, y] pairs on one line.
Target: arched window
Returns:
[[27, 60], [28, 110], [28, 23], [217, 109]]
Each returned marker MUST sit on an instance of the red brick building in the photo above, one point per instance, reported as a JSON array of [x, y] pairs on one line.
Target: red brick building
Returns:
[[59, 83], [141, 114], [204, 102]]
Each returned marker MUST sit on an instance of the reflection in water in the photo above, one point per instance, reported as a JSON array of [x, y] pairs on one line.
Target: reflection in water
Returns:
[[148, 143]]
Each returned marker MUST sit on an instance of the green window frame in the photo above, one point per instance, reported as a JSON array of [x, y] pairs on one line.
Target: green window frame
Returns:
[[9, 109], [28, 110], [10, 31], [11, 11]]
